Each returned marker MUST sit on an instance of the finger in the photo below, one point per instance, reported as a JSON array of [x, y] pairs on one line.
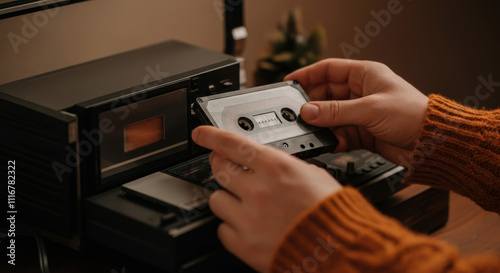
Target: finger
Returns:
[[229, 175], [348, 137], [237, 148], [216, 157], [230, 239], [343, 144], [338, 112], [329, 70], [225, 206], [329, 91]]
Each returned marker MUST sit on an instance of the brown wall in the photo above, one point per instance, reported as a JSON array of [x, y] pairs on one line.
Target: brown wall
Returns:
[[439, 46]]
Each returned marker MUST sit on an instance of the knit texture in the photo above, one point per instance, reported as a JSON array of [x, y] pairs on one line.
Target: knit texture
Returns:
[[458, 150], [345, 233]]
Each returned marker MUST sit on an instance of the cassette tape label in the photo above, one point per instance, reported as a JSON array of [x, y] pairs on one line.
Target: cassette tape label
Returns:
[[259, 113], [269, 115], [267, 119]]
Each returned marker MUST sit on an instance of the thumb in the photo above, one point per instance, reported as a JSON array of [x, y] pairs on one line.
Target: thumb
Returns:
[[337, 112]]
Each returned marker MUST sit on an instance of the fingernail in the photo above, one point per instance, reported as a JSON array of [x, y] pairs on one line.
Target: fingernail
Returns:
[[194, 135], [310, 111]]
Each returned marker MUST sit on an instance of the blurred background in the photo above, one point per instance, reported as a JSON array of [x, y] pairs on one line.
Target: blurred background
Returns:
[[447, 47]]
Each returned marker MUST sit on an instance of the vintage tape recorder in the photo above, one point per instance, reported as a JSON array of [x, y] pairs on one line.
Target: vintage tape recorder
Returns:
[[105, 162], [79, 131]]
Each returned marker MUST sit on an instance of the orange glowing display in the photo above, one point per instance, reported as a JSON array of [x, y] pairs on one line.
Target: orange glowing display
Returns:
[[143, 133]]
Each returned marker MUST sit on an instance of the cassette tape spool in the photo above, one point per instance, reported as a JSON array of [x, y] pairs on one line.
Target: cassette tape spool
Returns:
[[268, 114]]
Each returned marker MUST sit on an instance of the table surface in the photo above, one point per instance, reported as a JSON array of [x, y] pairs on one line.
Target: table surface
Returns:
[[470, 228]]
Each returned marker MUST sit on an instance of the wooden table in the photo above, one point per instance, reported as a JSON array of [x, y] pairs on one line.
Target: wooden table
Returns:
[[470, 228]]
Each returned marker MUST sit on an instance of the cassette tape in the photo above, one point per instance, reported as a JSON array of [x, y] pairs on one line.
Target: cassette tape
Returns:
[[268, 114]]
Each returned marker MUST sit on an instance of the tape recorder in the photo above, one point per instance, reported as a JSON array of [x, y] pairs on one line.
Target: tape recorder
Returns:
[[81, 130], [105, 162]]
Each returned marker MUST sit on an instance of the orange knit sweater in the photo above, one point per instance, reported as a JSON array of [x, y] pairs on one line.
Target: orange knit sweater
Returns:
[[459, 150]]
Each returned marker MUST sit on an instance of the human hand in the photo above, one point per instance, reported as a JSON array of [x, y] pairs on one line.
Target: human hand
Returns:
[[262, 199], [365, 104]]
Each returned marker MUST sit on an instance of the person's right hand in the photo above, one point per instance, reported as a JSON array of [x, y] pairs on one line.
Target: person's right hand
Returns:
[[365, 104]]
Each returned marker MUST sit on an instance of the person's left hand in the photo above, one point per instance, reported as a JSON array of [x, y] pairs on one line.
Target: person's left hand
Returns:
[[265, 192]]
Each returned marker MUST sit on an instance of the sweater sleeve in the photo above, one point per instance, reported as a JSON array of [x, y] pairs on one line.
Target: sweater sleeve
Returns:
[[345, 233], [459, 150]]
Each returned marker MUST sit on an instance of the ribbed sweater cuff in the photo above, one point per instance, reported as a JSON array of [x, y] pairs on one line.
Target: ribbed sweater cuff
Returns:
[[459, 150], [344, 232]]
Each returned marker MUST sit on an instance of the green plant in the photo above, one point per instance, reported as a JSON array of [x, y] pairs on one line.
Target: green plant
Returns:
[[289, 49]]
